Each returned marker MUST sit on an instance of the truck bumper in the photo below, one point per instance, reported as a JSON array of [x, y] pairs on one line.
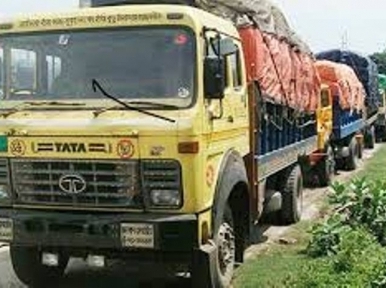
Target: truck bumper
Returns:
[[81, 234], [100, 231]]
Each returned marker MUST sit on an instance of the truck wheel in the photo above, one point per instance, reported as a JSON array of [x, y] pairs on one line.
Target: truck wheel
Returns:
[[361, 149], [326, 168], [370, 139], [26, 262], [292, 201], [226, 255], [352, 159]]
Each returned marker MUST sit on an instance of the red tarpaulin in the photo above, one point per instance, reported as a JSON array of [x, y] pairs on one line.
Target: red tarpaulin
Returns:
[[286, 75], [344, 82]]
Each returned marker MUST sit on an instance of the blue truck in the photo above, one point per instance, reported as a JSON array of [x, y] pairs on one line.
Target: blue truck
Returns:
[[355, 130]]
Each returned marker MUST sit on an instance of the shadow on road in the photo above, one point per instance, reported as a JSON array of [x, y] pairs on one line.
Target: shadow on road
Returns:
[[81, 276]]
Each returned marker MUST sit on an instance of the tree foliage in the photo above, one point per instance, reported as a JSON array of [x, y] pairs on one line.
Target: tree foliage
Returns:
[[380, 59]]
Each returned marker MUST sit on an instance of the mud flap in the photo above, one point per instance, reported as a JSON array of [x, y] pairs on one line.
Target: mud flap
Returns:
[[204, 265]]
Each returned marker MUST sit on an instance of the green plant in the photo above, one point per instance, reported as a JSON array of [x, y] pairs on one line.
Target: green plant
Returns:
[[362, 203], [358, 261], [326, 237]]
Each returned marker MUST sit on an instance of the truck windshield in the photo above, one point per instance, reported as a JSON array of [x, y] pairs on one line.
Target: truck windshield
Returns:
[[132, 63]]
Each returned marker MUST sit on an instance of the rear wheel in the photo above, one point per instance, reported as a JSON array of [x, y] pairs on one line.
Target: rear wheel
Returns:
[[370, 138], [380, 133], [292, 196], [26, 262], [352, 159]]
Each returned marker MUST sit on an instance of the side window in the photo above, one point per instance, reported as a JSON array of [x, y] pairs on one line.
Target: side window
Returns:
[[325, 98], [23, 70], [235, 62]]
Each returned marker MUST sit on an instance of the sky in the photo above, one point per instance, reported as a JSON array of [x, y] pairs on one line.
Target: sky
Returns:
[[323, 24]]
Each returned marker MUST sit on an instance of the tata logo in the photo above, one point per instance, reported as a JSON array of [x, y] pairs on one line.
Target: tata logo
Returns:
[[71, 147], [72, 184]]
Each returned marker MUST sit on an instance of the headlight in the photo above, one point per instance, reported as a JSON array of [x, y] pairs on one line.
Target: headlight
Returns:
[[162, 182], [6, 229], [4, 192], [165, 198]]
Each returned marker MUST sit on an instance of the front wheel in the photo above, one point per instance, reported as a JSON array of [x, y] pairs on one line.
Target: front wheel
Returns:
[[26, 262], [326, 168], [226, 250]]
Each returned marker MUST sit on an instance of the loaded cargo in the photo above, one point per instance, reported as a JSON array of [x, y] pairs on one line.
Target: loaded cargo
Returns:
[[353, 83], [380, 125], [165, 144]]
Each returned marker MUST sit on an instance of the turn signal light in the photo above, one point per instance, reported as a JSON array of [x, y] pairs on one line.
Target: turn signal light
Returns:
[[188, 147]]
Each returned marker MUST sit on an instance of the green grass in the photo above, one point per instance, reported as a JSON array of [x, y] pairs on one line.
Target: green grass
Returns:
[[276, 266], [375, 168]]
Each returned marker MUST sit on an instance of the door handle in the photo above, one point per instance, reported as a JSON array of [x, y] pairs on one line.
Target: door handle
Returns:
[[230, 119]]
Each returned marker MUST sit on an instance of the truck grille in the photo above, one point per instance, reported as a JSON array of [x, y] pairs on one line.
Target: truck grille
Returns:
[[161, 174], [4, 174], [76, 183]]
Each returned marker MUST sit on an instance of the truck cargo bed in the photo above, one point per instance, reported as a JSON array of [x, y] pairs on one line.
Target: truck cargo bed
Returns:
[[282, 137], [345, 122]]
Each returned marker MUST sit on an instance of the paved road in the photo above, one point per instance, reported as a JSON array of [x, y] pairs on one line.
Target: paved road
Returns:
[[79, 275]]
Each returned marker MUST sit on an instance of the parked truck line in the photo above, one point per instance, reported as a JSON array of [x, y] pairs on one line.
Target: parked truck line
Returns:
[[180, 182]]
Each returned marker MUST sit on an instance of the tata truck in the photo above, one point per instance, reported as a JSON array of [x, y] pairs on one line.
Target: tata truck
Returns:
[[354, 97], [141, 137], [364, 122]]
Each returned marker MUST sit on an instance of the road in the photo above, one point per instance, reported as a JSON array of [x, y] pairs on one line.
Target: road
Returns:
[[79, 275]]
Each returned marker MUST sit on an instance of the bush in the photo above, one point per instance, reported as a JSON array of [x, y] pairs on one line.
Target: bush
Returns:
[[326, 237], [346, 249], [357, 261], [362, 203]]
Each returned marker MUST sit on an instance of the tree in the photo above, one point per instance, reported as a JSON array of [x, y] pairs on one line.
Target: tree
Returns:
[[380, 59]]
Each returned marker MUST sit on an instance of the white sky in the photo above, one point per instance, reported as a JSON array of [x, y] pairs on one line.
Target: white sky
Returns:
[[321, 23]]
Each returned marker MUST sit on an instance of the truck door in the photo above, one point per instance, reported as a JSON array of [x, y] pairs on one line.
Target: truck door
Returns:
[[324, 117]]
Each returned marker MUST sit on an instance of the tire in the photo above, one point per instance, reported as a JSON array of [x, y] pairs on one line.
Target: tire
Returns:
[[27, 265], [226, 256], [370, 139], [292, 201], [326, 168], [361, 148], [351, 162]]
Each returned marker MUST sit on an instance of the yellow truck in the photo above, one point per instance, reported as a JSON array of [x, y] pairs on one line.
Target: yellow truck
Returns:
[[124, 135]]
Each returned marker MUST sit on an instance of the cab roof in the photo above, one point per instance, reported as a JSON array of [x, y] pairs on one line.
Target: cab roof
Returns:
[[198, 16]]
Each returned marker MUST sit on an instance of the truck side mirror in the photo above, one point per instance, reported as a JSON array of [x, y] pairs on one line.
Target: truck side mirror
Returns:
[[214, 77], [223, 46]]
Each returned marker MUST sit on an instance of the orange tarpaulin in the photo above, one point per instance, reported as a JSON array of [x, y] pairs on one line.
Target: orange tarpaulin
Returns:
[[286, 76], [344, 82]]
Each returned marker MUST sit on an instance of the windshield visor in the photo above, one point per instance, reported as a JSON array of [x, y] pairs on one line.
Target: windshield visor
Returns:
[[155, 64]]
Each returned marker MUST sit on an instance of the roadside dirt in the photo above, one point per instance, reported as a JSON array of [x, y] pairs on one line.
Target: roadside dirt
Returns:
[[312, 203]]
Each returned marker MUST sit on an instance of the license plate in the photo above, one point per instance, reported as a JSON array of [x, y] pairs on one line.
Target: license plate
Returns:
[[6, 229], [137, 235]]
